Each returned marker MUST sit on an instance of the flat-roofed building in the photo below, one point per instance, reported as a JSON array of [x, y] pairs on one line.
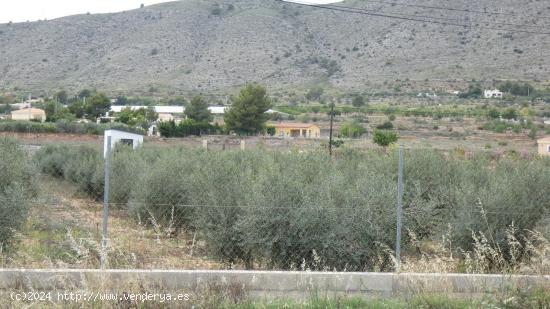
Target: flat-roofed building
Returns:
[[297, 130]]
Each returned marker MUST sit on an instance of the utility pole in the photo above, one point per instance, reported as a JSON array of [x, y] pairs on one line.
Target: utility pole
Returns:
[[30, 114], [55, 106], [30, 106], [330, 134]]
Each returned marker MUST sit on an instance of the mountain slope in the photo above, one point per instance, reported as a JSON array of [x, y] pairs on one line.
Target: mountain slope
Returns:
[[196, 45]]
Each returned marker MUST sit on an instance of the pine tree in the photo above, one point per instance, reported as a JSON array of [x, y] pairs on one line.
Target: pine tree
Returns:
[[247, 114], [198, 110]]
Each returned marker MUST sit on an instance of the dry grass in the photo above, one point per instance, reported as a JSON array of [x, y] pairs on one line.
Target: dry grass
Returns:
[[64, 231], [527, 255]]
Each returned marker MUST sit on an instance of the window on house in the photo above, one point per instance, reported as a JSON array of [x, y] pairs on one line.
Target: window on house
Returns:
[[126, 141]]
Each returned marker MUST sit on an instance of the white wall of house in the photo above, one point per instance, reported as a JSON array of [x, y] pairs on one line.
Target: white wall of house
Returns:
[[132, 139], [488, 94]]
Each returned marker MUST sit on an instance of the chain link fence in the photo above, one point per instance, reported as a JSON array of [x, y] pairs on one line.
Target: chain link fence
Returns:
[[177, 208]]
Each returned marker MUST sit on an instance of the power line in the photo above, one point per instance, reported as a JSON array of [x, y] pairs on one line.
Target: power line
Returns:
[[353, 10], [439, 18], [453, 9]]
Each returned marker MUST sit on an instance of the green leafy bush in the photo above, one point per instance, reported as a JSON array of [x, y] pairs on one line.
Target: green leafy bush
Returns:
[[17, 187], [309, 211], [27, 126], [384, 138], [63, 126], [517, 88], [315, 93], [270, 130], [474, 91], [509, 114], [388, 125], [358, 101], [352, 129], [80, 165], [186, 128]]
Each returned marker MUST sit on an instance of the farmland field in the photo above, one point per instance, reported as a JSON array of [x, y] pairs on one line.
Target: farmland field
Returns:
[[176, 207]]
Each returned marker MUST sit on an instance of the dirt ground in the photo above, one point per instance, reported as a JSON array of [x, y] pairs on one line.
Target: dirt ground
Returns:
[[64, 231], [440, 135]]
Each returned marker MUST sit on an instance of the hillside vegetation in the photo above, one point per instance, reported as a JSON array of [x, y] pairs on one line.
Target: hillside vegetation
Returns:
[[195, 45]]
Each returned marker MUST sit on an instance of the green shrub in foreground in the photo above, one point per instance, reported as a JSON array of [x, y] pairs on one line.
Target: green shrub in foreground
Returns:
[[17, 187], [384, 138], [81, 165], [308, 211]]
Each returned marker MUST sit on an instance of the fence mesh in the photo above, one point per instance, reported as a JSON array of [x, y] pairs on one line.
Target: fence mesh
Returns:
[[175, 208]]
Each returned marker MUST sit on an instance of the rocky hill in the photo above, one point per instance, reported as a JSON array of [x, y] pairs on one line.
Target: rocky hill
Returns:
[[215, 46]]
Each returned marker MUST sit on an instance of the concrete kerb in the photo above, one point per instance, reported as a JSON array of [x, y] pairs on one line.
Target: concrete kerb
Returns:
[[270, 283]]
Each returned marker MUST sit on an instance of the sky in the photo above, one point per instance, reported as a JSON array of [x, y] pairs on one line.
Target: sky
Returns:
[[32, 10]]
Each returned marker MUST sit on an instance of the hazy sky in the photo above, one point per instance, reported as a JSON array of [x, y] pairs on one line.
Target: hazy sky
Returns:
[[23, 10]]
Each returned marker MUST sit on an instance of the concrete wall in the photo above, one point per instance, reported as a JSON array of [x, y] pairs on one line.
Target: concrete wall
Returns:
[[216, 142], [298, 285]]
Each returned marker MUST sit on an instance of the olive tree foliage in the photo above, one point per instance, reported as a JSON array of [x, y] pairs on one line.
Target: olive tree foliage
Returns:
[[358, 101], [56, 111], [247, 114], [62, 97], [81, 165], [98, 105], [17, 188], [315, 93], [93, 105], [292, 210], [142, 117], [352, 129], [384, 138]]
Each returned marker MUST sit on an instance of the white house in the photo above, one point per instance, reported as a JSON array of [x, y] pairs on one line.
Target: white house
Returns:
[[158, 109], [217, 110], [495, 93], [127, 138], [427, 95]]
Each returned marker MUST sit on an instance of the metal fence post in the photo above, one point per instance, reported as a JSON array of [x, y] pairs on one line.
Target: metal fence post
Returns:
[[399, 209], [107, 160]]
